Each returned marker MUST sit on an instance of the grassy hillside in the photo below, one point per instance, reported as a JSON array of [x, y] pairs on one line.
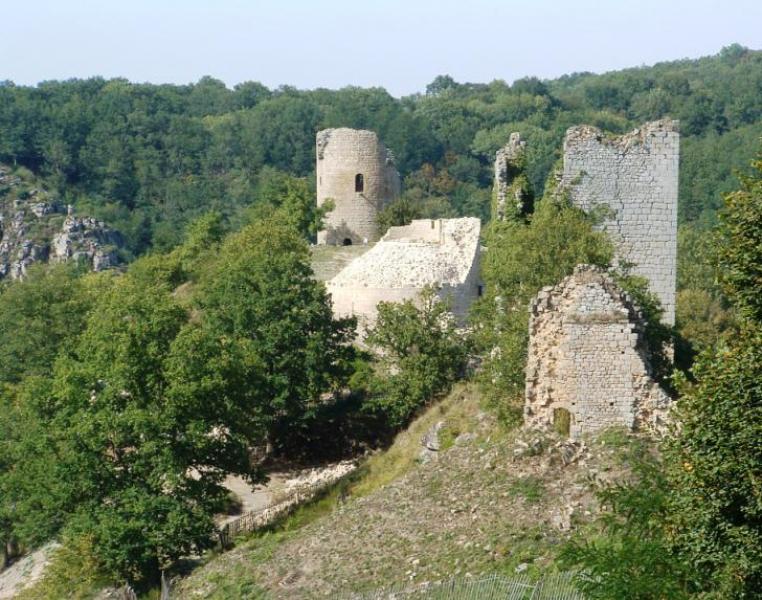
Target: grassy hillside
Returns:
[[488, 501]]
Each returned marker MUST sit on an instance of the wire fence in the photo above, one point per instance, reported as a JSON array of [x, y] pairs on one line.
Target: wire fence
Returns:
[[557, 586]]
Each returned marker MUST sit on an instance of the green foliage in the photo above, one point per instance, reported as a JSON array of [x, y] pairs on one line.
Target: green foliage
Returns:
[[692, 525], [289, 199], [151, 403], [715, 460], [129, 428], [73, 573], [523, 257], [202, 237], [259, 291], [633, 558], [149, 159], [40, 315], [658, 336], [703, 315], [421, 353], [401, 211], [741, 246], [715, 469]]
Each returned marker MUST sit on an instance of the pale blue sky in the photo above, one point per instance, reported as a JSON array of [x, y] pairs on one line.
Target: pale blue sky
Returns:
[[398, 44]]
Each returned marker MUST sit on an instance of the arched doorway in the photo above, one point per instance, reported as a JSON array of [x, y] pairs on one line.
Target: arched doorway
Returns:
[[346, 242]]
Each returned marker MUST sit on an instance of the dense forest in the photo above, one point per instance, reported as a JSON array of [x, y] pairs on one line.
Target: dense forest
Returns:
[[148, 159], [127, 396]]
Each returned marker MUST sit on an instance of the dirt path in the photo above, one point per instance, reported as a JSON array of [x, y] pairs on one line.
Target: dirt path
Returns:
[[25, 571], [281, 485]]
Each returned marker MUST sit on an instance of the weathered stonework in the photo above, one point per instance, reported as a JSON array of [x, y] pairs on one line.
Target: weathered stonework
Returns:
[[357, 172], [636, 176], [512, 194], [587, 355], [443, 253]]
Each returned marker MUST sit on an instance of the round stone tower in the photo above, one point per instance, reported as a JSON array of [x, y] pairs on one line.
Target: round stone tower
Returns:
[[358, 173]]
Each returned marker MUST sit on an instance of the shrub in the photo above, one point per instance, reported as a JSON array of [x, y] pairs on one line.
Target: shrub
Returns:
[[422, 354]]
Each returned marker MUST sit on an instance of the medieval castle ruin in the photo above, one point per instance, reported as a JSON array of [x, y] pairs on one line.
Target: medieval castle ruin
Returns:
[[512, 194], [588, 363], [634, 177], [443, 253], [357, 172]]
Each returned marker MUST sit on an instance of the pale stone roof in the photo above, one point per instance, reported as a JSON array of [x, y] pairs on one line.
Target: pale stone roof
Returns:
[[426, 252]]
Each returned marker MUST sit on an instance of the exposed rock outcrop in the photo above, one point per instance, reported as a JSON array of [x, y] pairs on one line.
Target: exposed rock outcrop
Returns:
[[34, 228], [85, 238]]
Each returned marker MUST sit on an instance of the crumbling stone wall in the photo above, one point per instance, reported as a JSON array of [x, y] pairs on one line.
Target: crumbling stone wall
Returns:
[[587, 356], [343, 155], [636, 176], [443, 253], [512, 193]]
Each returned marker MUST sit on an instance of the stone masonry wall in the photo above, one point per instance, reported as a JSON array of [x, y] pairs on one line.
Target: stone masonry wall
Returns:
[[443, 253], [342, 154], [512, 195], [636, 176], [587, 355]]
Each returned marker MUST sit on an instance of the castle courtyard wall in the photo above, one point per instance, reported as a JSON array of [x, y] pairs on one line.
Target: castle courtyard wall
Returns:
[[442, 253]]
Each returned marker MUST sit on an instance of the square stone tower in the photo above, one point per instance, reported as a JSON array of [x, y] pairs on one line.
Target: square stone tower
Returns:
[[357, 172], [635, 176]]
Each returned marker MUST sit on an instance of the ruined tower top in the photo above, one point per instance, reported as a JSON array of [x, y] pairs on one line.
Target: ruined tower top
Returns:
[[357, 172], [635, 176], [512, 194]]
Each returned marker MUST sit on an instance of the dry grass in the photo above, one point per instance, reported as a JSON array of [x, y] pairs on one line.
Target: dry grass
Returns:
[[477, 508], [327, 261], [458, 409]]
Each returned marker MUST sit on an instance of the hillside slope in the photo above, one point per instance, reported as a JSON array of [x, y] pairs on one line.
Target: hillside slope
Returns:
[[487, 501]]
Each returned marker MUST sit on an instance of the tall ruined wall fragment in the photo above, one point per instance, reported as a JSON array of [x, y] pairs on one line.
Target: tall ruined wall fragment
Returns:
[[442, 253], [512, 194], [587, 359], [636, 177], [357, 172]]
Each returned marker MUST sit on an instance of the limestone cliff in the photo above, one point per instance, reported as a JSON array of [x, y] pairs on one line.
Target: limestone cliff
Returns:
[[35, 227]]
